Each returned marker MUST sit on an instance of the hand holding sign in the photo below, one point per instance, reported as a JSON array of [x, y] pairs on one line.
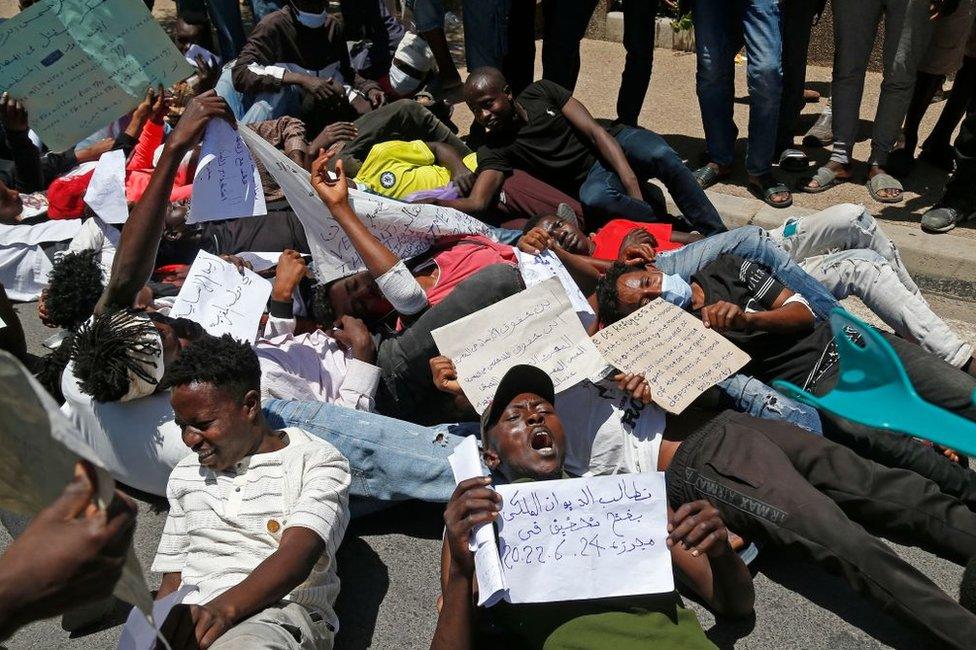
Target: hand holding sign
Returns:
[[611, 529], [221, 298], [677, 354], [227, 183]]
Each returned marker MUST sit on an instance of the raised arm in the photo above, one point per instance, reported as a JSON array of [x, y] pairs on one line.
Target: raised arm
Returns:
[[472, 503], [606, 146], [27, 158], [335, 194], [136, 255]]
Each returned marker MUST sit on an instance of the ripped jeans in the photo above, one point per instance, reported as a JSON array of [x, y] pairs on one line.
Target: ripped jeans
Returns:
[[389, 460], [745, 393], [845, 250]]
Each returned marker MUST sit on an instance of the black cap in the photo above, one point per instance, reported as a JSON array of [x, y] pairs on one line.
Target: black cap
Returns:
[[519, 379]]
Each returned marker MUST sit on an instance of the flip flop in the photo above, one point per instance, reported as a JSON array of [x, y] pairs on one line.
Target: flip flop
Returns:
[[793, 160], [708, 176], [826, 178], [885, 182], [767, 187]]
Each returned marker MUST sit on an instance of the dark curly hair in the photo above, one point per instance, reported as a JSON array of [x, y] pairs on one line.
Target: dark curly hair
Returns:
[[224, 362], [106, 348], [322, 310], [534, 221], [52, 366], [606, 292], [75, 284]]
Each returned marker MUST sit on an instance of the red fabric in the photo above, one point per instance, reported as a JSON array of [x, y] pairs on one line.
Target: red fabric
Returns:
[[609, 237], [66, 194], [464, 259], [139, 169]]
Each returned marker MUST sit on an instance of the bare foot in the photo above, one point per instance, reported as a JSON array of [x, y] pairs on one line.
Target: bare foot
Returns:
[[843, 171]]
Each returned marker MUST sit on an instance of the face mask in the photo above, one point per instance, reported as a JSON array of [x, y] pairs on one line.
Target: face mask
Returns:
[[675, 290], [313, 21]]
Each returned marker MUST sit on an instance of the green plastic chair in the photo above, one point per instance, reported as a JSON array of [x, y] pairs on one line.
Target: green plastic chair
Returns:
[[874, 390]]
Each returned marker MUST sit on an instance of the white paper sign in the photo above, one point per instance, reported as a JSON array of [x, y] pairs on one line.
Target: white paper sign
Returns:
[[538, 268], [680, 357], [582, 538], [466, 463], [106, 189], [139, 633], [226, 184], [195, 50], [221, 299], [260, 261], [537, 326], [406, 229]]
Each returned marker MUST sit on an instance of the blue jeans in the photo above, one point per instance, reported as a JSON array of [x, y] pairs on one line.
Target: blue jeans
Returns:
[[261, 8], [753, 243], [721, 26], [507, 235], [257, 108], [427, 14], [226, 17], [389, 460], [485, 32], [650, 157]]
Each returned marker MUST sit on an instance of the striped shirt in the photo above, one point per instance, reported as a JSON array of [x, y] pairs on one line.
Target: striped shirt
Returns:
[[222, 525]]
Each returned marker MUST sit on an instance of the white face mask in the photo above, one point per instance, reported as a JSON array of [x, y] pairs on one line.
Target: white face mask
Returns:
[[313, 21], [675, 290]]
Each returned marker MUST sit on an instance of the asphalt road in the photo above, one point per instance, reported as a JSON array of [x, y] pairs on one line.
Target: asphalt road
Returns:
[[389, 562], [389, 570]]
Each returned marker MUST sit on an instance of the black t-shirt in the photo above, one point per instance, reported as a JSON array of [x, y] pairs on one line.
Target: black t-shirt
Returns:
[[793, 357], [273, 232], [546, 146]]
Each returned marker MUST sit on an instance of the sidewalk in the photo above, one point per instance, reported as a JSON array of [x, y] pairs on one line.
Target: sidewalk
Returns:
[[942, 263]]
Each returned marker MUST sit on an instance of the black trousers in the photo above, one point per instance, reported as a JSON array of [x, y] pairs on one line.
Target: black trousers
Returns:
[[781, 485], [407, 390], [639, 23], [403, 119], [797, 25], [565, 26], [936, 382], [960, 189]]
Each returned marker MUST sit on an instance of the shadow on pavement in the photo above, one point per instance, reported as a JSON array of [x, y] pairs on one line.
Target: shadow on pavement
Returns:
[[834, 594], [365, 581]]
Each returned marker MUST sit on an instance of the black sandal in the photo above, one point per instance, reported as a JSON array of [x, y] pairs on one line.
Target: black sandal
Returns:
[[767, 187], [708, 176]]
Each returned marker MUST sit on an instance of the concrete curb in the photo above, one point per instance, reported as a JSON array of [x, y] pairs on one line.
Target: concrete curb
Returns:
[[664, 36], [940, 264]]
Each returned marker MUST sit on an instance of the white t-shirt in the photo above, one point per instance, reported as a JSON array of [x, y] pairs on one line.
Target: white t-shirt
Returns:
[[138, 441], [607, 431], [97, 235], [222, 525]]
